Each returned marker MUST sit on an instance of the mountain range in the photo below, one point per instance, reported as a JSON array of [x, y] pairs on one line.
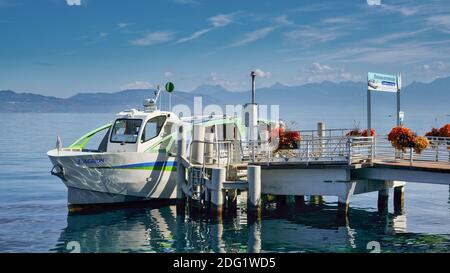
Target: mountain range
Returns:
[[327, 98]]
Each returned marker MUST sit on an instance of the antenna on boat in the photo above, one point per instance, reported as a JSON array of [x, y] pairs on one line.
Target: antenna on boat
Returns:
[[157, 92], [150, 104]]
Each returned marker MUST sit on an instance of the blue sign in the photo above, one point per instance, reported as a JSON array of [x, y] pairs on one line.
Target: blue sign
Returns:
[[382, 82]]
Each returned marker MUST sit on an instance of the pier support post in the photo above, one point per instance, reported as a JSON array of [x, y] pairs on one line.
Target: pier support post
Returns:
[[181, 172], [209, 148], [254, 237], [216, 236], [198, 144], [217, 193], [383, 199], [399, 200], [254, 191]]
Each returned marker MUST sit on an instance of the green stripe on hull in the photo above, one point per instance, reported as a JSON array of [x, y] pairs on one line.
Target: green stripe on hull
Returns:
[[147, 168], [152, 168]]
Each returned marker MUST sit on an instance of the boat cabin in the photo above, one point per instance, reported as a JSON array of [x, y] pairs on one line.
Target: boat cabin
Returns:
[[137, 131]]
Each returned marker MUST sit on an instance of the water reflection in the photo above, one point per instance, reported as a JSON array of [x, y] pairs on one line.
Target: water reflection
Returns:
[[314, 229]]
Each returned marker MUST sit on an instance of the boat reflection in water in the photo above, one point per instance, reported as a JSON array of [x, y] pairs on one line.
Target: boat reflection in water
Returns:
[[314, 229]]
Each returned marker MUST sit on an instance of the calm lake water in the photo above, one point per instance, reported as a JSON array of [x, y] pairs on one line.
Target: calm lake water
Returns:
[[34, 218]]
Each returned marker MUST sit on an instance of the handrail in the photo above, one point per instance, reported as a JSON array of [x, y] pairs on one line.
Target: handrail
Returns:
[[83, 140], [348, 149], [438, 151], [340, 149]]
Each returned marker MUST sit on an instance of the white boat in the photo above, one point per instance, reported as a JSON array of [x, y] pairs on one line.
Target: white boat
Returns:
[[135, 161]]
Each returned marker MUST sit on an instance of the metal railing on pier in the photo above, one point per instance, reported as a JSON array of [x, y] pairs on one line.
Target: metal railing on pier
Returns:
[[336, 147], [347, 150], [438, 151]]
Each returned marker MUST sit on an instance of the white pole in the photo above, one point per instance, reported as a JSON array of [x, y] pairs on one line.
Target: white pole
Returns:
[[254, 115], [369, 114], [254, 188], [217, 195]]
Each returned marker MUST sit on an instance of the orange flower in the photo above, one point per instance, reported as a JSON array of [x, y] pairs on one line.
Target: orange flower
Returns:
[[357, 133], [445, 131], [372, 133], [433, 133], [401, 138], [289, 140], [420, 144]]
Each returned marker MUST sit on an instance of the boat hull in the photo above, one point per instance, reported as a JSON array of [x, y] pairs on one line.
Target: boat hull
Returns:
[[104, 178]]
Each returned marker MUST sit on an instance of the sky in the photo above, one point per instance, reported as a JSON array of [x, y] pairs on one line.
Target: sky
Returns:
[[64, 47]]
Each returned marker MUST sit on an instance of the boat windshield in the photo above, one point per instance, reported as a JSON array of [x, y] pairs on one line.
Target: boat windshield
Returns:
[[126, 130]]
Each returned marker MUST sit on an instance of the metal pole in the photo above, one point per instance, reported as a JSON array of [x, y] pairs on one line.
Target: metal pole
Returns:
[[369, 114], [398, 100], [398, 108], [253, 75], [252, 126]]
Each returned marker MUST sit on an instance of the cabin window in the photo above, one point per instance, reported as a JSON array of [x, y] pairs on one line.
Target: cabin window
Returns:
[[126, 130], [153, 128]]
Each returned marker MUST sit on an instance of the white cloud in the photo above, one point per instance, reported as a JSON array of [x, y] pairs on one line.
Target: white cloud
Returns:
[[122, 25], [194, 35], [185, 2], [253, 36], [284, 21], [309, 35], [442, 22], [136, 85], [168, 74], [373, 2], [403, 10], [430, 71], [154, 38], [318, 72], [339, 20], [262, 74], [73, 2], [222, 20]]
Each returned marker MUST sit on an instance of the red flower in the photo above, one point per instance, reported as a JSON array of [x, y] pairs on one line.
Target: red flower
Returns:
[[402, 137], [445, 131], [353, 132], [433, 133], [357, 133], [289, 140], [372, 133]]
